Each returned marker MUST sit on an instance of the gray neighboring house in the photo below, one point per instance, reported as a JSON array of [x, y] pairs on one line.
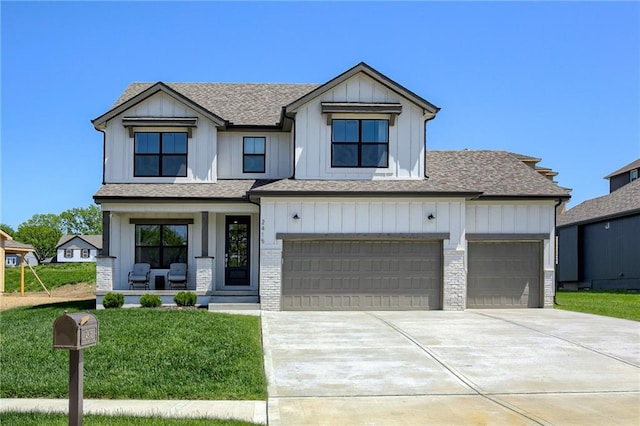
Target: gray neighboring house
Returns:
[[78, 248], [12, 260], [599, 239], [623, 176]]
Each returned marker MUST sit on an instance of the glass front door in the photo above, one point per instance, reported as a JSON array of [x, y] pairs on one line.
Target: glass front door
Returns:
[[237, 243]]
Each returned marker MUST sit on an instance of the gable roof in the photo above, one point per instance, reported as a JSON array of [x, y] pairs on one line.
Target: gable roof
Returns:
[[248, 104], [93, 240], [622, 202], [633, 165], [362, 67], [240, 104]]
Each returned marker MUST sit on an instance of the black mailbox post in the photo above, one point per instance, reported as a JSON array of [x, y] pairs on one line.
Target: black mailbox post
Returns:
[[75, 332]]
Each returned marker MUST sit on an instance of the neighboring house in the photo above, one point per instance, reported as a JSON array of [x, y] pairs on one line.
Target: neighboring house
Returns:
[[623, 176], [599, 239], [14, 250], [78, 248], [317, 197], [13, 260]]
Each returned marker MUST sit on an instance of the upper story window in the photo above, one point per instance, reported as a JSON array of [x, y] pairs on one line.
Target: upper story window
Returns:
[[68, 253], [633, 175], [160, 154], [253, 154], [161, 245], [359, 143], [84, 253]]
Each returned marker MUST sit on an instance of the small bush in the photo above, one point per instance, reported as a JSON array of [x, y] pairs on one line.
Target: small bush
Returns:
[[185, 298], [150, 301], [113, 300]]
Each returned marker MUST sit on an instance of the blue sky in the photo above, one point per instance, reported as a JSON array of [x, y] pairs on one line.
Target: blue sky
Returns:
[[559, 81]]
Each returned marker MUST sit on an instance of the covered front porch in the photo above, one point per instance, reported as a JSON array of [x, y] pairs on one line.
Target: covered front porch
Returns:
[[218, 242]]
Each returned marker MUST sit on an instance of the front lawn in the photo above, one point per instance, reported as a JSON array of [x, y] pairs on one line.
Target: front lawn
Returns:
[[58, 419], [614, 303], [53, 275], [142, 354]]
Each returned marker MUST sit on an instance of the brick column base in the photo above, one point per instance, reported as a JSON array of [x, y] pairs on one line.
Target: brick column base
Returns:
[[455, 281], [270, 280], [104, 273], [204, 273]]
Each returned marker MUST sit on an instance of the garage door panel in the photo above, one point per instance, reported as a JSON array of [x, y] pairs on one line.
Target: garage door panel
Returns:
[[504, 275], [362, 275]]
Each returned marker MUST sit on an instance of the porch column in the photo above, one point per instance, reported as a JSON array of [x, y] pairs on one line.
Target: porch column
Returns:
[[454, 280], [205, 234], [106, 232], [204, 273], [104, 273]]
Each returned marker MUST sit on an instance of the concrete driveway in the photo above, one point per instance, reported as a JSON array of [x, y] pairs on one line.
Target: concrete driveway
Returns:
[[512, 367]]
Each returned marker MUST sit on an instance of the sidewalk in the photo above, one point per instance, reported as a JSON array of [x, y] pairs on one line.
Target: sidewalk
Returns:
[[250, 411]]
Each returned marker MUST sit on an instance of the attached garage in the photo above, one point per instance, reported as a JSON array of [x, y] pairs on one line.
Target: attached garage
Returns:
[[361, 274], [504, 274]]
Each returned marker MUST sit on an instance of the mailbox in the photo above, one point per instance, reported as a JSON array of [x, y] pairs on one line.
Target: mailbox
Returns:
[[75, 331]]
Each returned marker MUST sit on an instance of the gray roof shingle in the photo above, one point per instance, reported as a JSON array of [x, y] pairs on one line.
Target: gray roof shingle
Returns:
[[252, 104], [625, 200], [460, 173]]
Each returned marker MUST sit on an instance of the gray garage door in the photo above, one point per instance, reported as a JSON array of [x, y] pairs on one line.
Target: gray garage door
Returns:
[[504, 275], [361, 275]]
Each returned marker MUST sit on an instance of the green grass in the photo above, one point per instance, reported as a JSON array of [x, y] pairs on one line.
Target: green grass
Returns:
[[618, 304], [53, 275], [142, 354], [57, 419]]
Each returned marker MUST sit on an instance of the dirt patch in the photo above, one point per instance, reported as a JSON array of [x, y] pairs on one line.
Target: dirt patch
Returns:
[[65, 293]]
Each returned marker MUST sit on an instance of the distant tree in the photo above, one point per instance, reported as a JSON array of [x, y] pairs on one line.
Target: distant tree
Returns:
[[82, 221], [7, 229], [42, 238], [49, 220]]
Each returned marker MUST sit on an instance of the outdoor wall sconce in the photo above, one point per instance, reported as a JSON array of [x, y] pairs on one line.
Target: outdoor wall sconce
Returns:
[[295, 216], [431, 216]]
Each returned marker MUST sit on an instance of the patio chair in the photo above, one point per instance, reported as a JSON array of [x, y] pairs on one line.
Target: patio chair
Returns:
[[139, 276], [177, 276]]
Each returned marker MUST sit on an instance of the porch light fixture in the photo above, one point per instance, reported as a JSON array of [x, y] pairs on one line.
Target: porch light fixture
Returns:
[[431, 216], [295, 216]]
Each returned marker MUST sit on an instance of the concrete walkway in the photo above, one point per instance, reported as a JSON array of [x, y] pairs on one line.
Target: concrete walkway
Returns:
[[250, 411], [496, 367]]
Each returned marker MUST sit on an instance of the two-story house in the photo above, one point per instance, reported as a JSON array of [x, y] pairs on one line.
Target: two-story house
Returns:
[[598, 240], [320, 197]]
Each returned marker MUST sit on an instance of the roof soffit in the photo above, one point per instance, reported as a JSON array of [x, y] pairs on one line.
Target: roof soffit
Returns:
[[100, 122], [365, 69]]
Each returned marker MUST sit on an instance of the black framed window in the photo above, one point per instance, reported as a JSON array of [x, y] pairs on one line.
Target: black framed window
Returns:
[[253, 154], [84, 253], [68, 253], [161, 245], [160, 154], [359, 143]]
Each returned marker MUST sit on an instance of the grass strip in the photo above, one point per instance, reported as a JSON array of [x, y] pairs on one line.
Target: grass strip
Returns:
[[612, 303], [59, 419], [142, 354]]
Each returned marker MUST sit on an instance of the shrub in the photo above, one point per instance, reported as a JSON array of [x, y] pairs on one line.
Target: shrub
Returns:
[[150, 301], [113, 300], [185, 298]]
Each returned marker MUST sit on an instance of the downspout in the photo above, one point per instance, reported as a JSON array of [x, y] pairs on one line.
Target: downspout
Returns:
[[104, 153], [433, 115], [293, 176], [556, 247]]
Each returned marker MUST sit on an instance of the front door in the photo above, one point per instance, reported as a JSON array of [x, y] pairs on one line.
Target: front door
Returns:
[[237, 243]]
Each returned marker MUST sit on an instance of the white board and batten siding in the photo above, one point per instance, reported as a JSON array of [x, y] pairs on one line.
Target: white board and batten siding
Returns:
[[278, 155], [313, 134], [526, 217], [201, 147], [359, 216]]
